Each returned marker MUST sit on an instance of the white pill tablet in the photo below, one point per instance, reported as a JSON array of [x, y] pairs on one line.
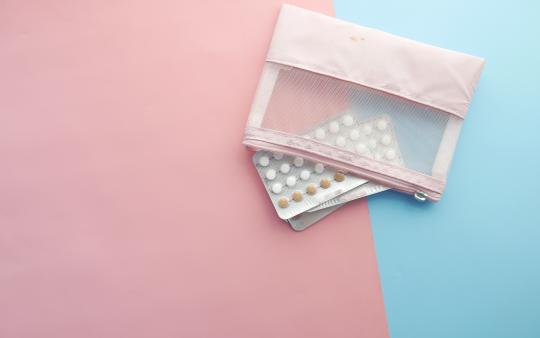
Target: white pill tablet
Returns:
[[285, 168], [367, 129], [382, 124], [347, 120], [320, 134], [264, 161], [334, 127], [270, 174], [298, 162], [361, 148], [386, 139], [291, 181], [305, 174], [390, 154], [319, 168], [277, 187], [372, 143], [340, 141], [354, 134], [278, 156]]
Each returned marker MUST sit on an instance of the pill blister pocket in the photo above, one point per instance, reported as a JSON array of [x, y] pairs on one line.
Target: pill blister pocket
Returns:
[[296, 185]]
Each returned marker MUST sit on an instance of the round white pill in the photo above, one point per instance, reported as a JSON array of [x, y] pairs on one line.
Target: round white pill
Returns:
[[320, 134], [382, 124], [319, 168], [354, 134], [361, 148], [386, 139], [340, 141], [264, 161], [334, 127], [298, 162], [347, 120], [291, 181], [278, 156], [390, 154], [285, 168], [367, 129], [372, 143], [270, 174], [305, 174], [276, 187]]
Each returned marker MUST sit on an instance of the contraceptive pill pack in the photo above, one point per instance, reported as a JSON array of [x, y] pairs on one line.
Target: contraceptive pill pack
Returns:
[[303, 192], [384, 108], [296, 185]]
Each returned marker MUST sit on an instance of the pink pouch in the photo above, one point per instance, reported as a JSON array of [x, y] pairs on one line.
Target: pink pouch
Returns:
[[380, 106]]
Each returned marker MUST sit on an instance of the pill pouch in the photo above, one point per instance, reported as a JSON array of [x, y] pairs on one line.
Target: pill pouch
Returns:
[[319, 68]]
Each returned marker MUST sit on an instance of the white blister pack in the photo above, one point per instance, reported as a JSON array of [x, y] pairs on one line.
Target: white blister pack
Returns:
[[374, 137], [296, 185], [365, 190], [304, 220]]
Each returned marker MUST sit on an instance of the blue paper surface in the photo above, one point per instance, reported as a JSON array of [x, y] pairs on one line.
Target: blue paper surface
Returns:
[[469, 266]]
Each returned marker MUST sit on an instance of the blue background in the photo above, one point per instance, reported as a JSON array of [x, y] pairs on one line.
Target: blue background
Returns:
[[469, 266]]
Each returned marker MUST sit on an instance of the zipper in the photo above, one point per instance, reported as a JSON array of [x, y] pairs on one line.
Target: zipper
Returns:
[[420, 194]]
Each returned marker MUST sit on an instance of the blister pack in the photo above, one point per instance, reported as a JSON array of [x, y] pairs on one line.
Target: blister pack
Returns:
[[365, 190], [296, 185], [304, 220], [318, 67], [373, 137]]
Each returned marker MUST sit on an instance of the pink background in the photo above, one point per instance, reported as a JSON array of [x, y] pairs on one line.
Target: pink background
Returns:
[[129, 207]]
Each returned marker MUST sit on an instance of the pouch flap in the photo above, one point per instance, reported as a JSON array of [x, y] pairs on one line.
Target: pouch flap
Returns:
[[429, 75]]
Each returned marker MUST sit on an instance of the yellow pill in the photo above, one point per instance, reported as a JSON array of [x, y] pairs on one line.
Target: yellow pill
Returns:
[[311, 189], [339, 176], [325, 183], [297, 196], [283, 202]]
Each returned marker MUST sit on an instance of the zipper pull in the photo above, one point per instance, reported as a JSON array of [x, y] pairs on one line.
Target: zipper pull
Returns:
[[420, 196]]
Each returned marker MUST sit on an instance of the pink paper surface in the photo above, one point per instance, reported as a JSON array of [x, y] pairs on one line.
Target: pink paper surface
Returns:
[[129, 207]]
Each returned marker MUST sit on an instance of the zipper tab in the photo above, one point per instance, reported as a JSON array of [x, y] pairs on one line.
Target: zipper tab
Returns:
[[420, 196]]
